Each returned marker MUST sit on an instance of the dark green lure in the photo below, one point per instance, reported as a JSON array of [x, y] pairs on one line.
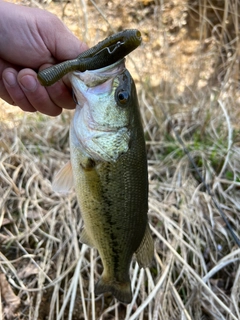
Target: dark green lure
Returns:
[[101, 55]]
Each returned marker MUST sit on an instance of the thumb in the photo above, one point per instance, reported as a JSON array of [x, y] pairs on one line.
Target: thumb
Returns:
[[60, 41], [68, 46]]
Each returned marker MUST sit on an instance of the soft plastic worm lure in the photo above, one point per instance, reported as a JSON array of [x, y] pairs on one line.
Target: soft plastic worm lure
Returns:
[[101, 55]]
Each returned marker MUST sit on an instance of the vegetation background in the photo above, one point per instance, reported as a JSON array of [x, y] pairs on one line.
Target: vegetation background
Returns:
[[187, 76]]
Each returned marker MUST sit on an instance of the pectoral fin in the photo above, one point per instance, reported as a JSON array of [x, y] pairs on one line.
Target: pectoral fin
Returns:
[[63, 181], [145, 251]]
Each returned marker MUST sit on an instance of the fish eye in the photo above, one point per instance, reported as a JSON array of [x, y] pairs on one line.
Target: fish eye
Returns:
[[123, 97]]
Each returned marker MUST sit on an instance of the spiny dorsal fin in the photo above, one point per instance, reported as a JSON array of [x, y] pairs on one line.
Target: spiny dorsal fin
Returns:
[[63, 181], [145, 251]]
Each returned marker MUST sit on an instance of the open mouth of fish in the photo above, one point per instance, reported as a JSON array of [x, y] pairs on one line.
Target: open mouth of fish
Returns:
[[99, 118], [98, 83]]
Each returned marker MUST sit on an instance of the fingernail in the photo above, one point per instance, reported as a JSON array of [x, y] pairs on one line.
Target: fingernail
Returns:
[[28, 83], [10, 79]]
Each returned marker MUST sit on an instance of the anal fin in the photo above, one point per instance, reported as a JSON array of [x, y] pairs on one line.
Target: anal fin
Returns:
[[85, 238], [145, 251]]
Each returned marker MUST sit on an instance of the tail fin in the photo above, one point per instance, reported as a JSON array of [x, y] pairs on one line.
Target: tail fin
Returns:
[[121, 290]]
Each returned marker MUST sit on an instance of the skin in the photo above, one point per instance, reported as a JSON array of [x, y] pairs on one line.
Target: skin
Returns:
[[28, 43]]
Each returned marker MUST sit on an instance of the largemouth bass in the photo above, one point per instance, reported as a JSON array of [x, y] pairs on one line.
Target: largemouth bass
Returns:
[[109, 171]]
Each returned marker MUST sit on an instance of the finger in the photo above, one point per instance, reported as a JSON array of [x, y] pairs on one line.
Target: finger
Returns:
[[3, 91], [4, 94], [14, 90], [36, 94], [61, 92], [60, 41], [61, 95]]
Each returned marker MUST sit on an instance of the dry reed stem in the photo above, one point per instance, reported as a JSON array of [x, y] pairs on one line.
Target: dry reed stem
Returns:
[[196, 273]]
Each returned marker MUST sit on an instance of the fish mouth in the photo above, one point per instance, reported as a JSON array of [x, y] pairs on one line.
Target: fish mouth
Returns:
[[93, 78], [95, 84]]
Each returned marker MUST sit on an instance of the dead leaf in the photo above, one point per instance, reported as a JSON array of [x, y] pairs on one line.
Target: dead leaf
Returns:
[[12, 302], [28, 271]]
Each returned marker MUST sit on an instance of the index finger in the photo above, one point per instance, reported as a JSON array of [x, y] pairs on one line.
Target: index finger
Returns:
[[36, 95]]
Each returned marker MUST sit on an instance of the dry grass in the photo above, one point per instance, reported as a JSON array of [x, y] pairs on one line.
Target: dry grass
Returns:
[[187, 73]]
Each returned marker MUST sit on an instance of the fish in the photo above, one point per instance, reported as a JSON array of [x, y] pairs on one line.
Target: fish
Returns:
[[108, 168]]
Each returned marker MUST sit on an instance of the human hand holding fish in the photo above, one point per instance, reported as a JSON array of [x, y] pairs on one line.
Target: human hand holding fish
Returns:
[[28, 42], [108, 169]]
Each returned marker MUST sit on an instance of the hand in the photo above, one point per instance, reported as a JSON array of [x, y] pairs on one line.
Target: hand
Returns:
[[32, 39]]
